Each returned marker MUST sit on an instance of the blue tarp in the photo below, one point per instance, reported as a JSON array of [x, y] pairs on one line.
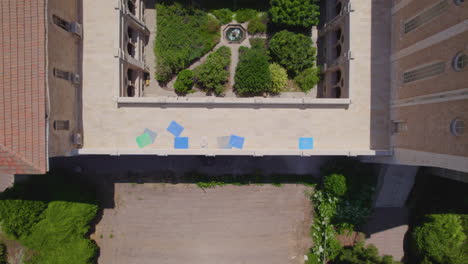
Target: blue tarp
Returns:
[[181, 142], [306, 143], [175, 129], [236, 142]]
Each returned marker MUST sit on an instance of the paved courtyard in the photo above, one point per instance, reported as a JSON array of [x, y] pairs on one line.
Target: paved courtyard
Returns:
[[165, 224]]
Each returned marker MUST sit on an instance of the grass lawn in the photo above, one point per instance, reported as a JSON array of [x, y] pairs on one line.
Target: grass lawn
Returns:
[[50, 215]]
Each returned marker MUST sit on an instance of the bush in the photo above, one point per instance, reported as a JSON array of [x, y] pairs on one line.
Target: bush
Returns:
[[213, 74], [184, 34], [256, 26], [246, 14], [360, 254], [335, 184], [3, 254], [307, 79], [279, 78], [440, 240], [19, 216], [303, 13], [224, 15], [253, 75], [258, 43], [292, 51], [184, 82]]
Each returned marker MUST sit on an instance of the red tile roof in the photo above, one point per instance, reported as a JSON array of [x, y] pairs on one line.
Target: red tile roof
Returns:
[[22, 86]]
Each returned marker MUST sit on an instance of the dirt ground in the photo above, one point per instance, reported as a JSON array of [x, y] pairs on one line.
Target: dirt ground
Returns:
[[166, 223]]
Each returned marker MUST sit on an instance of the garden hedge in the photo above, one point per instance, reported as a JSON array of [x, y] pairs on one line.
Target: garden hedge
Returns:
[[184, 35], [307, 79], [295, 13], [279, 78], [245, 14], [213, 74], [253, 75], [184, 82], [224, 15], [292, 51]]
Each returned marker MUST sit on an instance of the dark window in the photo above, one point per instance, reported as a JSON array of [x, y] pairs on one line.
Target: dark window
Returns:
[[131, 6], [424, 72], [426, 16], [61, 74], [61, 124], [130, 91], [61, 22], [460, 61], [399, 127]]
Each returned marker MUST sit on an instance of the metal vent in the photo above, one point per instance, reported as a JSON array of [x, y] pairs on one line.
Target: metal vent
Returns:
[[426, 16], [61, 124], [424, 72], [76, 29]]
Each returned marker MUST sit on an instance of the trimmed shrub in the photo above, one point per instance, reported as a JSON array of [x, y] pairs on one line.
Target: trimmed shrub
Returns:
[[279, 78], [184, 82], [253, 73], [258, 43], [256, 26], [3, 254], [246, 14], [184, 34], [224, 15], [335, 184], [360, 254], [292, 51], [213, 74], [302, 13], [440, 240], [19, 216], [307, 79]]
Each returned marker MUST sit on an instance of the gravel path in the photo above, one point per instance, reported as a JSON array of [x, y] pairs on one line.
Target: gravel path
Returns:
[[173, 224]]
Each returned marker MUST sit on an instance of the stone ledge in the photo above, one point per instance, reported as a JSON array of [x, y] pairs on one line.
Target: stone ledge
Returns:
[[246, 102]]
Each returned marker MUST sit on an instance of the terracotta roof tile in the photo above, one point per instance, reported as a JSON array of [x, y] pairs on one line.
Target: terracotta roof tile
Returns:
[[22, 86]]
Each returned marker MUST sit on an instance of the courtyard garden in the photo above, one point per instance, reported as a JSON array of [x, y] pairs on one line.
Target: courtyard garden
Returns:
[[236, 48]]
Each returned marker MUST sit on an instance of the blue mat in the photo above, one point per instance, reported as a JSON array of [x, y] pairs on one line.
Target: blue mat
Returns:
[[306, 143], [181, 142], [175, 129], [236, 142]]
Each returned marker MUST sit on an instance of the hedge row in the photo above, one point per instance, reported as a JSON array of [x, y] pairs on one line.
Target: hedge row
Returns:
[[184, 34], [253, 75]]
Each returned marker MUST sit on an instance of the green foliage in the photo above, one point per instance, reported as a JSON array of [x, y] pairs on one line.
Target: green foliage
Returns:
[[224, 15], [184, 82], [335, 185], [257, 43], [184, 34], [256, 26], [211, 184], [19, 216], [55, 212], [360, 254], [279, 78], [213, 74], [296, 13], [3, 254], [253, 75], [245, 14], [60, 236], [292, 51], [440, 240], [307, 79]]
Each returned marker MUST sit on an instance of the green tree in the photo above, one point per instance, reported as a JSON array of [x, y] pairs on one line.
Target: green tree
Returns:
[[184, 81], [224, 15], [213, 74], [303, 13], [440, 240], [279, 78], [335, 184], [307, 79], [292, 51], [256, 25], [359, 254], [245, 14], [253, 73]]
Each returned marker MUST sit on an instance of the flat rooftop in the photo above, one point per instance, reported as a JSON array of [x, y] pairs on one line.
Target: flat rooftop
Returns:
[[358, 129]]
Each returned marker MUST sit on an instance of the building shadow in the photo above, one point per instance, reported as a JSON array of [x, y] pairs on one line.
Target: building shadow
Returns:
[[380, 74]]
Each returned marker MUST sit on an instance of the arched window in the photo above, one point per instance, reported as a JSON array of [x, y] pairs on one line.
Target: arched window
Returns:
[[457, 127], [460, 61]]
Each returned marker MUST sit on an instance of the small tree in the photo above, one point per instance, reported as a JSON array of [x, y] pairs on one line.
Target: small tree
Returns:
[[292, 51], [256, 26], [213, 74], [307, 79], [360, 254], [335, 184], [303, 13], [224, 15], [440, 240], [279, 78], [184, 81]]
